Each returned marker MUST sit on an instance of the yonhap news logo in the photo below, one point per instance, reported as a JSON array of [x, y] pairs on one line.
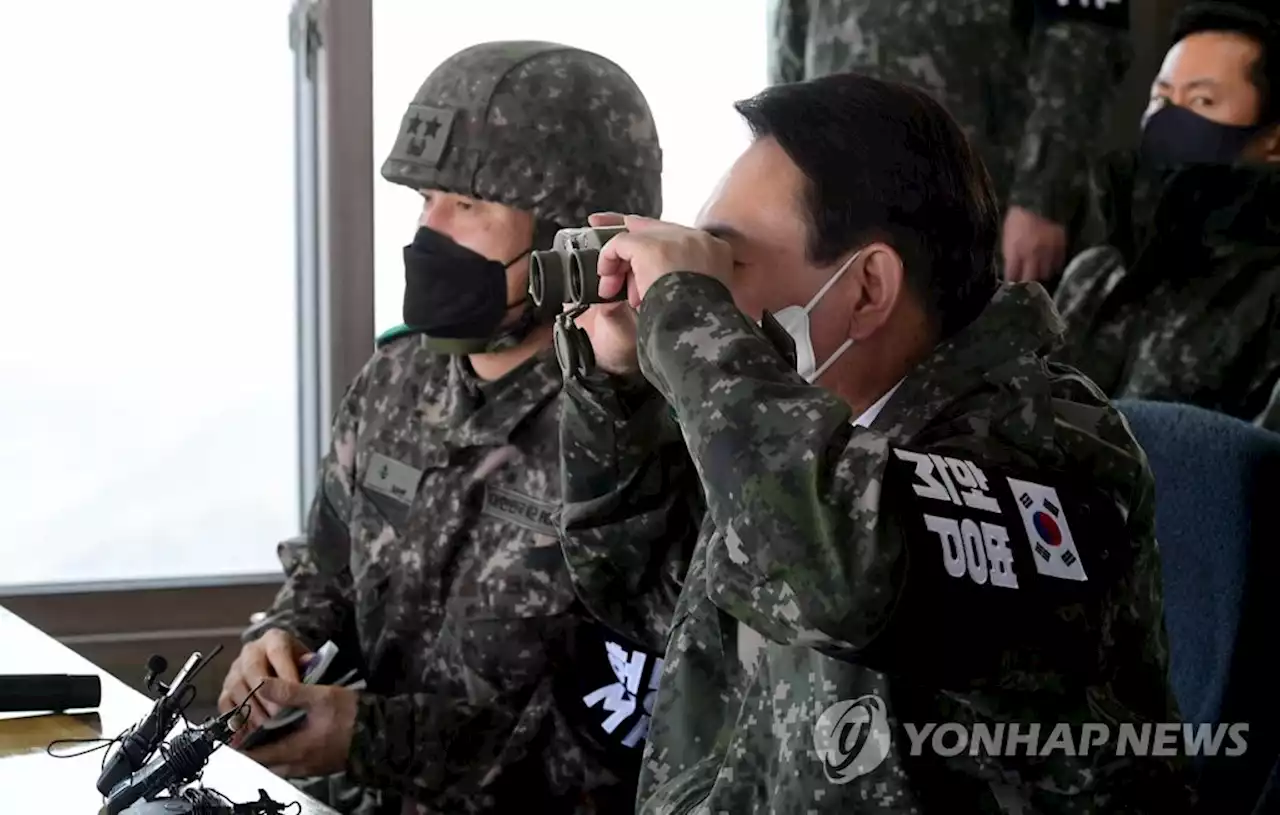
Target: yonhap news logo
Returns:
[[853, 737]]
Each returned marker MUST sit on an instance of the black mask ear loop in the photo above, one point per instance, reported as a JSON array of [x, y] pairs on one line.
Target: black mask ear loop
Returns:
[[507, 267]]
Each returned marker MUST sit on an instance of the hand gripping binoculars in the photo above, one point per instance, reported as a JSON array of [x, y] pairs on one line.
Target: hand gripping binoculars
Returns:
[[567, 272]]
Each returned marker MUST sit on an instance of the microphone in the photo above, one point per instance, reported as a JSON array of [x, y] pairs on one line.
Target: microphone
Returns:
[[48, 692], [142, 740], [156, 665], [179, 765]]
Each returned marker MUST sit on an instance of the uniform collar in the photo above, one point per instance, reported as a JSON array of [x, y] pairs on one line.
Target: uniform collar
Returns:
[[487, 414], [1004, 347], [869, 415]]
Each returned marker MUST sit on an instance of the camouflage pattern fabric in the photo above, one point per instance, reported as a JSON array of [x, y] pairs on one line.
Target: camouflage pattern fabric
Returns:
[[553, 130], [1185, 306], [1270, 416], [432, 553], [1028, 82], [805, 588]]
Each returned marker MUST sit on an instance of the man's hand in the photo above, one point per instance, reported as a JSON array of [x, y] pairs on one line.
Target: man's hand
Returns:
[[322, 741], [611, 326], [650, 249], [1034, 248], [275, 654]]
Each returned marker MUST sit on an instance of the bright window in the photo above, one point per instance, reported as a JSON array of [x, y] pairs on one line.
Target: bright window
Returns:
[[692, 60], [147, 320]]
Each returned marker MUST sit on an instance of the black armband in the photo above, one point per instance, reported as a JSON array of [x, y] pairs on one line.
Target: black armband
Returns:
[[606, 687], [1108, 13]]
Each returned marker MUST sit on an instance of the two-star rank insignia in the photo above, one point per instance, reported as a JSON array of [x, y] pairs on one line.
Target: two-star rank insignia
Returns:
[[424, 134]]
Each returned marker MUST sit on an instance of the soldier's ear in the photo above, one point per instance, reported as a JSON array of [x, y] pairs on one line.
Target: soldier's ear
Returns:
[[881, 270]]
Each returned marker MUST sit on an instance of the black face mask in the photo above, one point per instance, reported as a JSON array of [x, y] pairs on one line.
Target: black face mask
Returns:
[[1174, 135], [451, 292]]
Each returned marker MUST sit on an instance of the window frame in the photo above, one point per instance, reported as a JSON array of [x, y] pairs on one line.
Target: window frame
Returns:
[[114, 623]]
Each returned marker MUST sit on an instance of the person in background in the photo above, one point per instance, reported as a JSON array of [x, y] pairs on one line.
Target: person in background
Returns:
[[1029, 82], [431, 554], [915, 519], [1183, 303]]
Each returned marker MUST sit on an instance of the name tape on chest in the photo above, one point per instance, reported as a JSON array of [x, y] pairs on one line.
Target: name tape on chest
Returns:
[[1109, 13], [999, 531], [394, 479], [521, 510]]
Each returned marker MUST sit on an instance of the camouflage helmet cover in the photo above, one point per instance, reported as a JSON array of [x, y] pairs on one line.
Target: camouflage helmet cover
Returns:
[[546, 128]]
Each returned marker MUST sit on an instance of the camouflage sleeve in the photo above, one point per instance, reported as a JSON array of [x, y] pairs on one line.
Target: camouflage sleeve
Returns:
[[315, 602], [487, 693], [788, 22], [1270, 416], [775, 458], [1266, 381], [1075, 68], [631, 505], [428, 741], [1085, 283], [823, 538]]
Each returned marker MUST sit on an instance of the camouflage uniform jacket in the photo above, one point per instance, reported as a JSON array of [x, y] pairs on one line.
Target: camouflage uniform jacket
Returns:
[[432, 552], [818, 577], [1185, 305], [1030, 89]]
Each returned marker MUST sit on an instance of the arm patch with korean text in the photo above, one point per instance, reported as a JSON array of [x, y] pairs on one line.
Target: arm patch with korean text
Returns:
[[607, 686], [998, 563], [1107, 13]]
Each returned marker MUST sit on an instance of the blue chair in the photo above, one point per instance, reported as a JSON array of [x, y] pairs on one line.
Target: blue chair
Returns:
[[1218, 526]]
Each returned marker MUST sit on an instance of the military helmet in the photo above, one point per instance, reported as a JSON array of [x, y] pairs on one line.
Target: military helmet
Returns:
[[537, 126]]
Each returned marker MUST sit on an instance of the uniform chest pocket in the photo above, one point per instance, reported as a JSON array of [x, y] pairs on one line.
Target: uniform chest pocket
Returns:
[[519, 571], [390, 487], [524, 578], [512, 615]]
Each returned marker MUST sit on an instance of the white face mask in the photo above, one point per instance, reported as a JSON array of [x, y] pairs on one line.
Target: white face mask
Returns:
[[795, 320]]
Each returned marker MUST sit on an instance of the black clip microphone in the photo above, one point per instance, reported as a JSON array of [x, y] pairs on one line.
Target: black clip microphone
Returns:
[[177, 765], [140, 743]]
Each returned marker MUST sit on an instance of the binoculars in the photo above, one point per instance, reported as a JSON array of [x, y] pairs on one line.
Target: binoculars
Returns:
[[567, 272]]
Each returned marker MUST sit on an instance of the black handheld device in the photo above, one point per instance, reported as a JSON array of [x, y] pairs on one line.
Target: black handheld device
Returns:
[[322, 670], [138, 745]]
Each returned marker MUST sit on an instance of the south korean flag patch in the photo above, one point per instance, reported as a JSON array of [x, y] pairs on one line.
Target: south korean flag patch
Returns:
[[1048, 532]]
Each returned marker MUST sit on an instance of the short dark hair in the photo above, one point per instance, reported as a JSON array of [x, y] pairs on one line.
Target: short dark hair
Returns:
[[885, 161], [1237, 18]]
